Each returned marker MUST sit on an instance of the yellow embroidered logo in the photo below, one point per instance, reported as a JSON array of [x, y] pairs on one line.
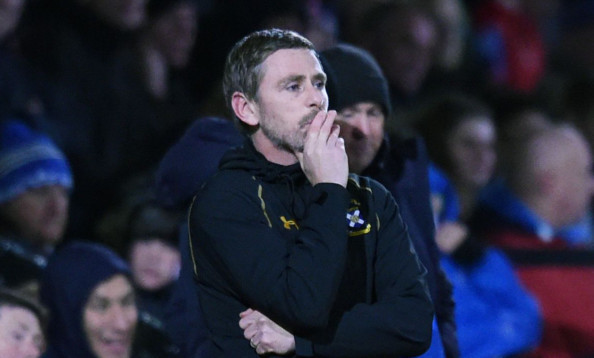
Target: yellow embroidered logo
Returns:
[[287, 223]]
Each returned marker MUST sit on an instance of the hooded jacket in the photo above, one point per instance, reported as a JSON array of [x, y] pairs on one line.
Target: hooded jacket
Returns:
[[333, 266], [71, 275]]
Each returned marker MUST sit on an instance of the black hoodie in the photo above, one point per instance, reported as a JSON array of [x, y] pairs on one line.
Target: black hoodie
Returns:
[[333, 266]]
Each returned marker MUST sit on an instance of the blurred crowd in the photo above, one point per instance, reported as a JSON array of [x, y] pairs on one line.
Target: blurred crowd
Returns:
[[112, 115]]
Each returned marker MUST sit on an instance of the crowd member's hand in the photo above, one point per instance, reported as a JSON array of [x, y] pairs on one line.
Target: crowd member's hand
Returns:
[[264, 335], [324, 158], [450, 235]]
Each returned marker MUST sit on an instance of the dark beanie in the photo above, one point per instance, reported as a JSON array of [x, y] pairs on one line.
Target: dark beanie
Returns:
[[354, 76]]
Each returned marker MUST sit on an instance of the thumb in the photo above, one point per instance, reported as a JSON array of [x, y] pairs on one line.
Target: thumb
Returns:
[[299, 156]]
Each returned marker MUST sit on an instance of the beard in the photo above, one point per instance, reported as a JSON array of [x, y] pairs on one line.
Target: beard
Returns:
[[292, 141]]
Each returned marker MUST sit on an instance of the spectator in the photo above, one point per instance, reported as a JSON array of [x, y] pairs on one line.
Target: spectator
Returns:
[[510, 43], [534, 213], [358, 90], [460, 136], [22, 322], [495, 314], [154, 257], [77, 45], [403, 37], [35, 181], [21, 88], [157, 102], [88, 291]]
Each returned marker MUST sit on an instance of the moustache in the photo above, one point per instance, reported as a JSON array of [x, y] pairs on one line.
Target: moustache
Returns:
[[308, 118]]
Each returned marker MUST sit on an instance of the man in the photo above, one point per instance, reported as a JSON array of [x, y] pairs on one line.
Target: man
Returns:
[[312, 262], [536, 214], [35, 184], [358, 90], [404, 37], [21, 326]]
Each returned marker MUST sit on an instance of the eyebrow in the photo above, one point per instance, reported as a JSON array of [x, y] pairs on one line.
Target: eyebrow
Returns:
[[291, 78], [300, 78]]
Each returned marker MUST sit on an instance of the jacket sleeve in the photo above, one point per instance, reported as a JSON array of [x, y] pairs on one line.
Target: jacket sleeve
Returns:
[[399, 321], [233, 239]]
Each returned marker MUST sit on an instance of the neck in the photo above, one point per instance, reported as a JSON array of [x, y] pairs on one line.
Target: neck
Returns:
[[271, 152]]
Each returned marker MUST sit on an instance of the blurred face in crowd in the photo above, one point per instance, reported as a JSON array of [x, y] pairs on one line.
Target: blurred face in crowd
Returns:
[[110, 317], [471, 147], [123, 14], [39, 214], [574, 183], [10, 14], [362, 128], [154, 263], [174, 33], [20, 333], [406, 50]]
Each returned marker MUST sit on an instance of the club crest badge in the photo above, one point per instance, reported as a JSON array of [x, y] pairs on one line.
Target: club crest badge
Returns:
[[357, 225]]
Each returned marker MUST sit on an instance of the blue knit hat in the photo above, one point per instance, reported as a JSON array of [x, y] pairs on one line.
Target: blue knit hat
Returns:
[[29, 159]]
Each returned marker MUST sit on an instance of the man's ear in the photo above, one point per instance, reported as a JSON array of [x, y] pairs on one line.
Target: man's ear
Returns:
[[244, 109]]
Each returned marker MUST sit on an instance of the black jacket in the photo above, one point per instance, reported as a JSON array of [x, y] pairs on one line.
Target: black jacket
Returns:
[[401, 166], [333, 266]]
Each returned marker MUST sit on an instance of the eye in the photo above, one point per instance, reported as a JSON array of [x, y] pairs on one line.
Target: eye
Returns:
[[99, 305], [375, 112], [320, 84], [129, 301], [347, 113], [18, 336], [293, 87]]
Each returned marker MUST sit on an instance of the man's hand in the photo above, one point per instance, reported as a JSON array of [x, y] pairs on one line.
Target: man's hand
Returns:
[[324, 158], [264, 335]]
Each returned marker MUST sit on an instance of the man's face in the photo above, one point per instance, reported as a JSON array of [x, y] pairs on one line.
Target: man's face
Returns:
[[292, 91], [406, 53], [39, 214], [154, 263], [576, 182], [20, 333], [110, 317], [174, 33], [362, 128]]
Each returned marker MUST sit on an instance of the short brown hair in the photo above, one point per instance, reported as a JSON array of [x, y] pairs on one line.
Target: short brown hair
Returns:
[[243, 65]]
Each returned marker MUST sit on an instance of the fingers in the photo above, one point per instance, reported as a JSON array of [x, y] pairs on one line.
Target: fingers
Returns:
[[247, 318], [246, 312], [321, 125]]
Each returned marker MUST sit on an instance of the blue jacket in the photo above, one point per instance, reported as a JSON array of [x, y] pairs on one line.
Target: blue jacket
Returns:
[[496, 315]]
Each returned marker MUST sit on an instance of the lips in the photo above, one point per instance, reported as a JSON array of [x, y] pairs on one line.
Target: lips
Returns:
[[116, 346]]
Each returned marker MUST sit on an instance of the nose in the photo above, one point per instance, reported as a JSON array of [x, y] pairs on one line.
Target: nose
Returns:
[[58, 200], [360, 125], [123, 317], [317, 98]]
